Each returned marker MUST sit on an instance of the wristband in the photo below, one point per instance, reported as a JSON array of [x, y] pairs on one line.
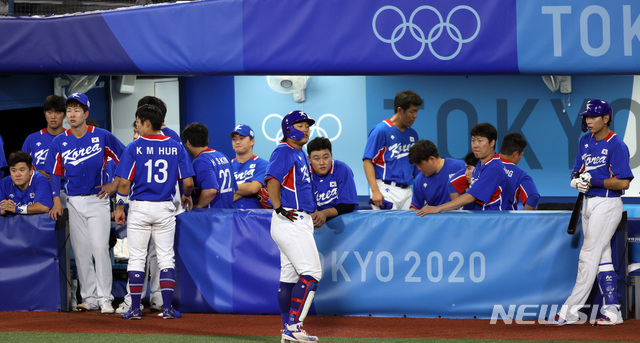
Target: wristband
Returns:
[[22, 209], [121, 198], [597, 182]]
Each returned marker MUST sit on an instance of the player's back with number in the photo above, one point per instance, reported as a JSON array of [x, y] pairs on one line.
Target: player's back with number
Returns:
[[154, 163], [214, 171]]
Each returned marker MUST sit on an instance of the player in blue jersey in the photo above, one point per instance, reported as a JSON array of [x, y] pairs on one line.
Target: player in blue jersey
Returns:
[[431, 186], [601, 171], [248, 170], [520, 186], [214, 180], [461, 180], [288, 179], [386, 155], [488, 180], [166, 131], [37, 144], [334, 187], [80, 154], [25, 191], [149, 169]]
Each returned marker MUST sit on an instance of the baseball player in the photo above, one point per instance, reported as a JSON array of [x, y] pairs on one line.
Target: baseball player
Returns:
[[431, 186], [386, 162], [288, 179], [37, 144], [249, 170], [488, 180], [602, 173], [333, 184], [152, 100], [461, 180], [24, 191], [214, 176], [150, 168], [520, 186], [80, 155]]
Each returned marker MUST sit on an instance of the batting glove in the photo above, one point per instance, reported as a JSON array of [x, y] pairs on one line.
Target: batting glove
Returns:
[[582, 186], [574, 182], [291, 215], [586, 177]]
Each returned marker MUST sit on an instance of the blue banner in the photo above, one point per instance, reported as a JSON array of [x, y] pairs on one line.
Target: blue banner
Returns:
[[454, 265], [29, 267]]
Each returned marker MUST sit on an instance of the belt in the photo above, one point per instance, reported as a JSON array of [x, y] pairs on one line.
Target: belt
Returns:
[[393, 183], [303, 211]]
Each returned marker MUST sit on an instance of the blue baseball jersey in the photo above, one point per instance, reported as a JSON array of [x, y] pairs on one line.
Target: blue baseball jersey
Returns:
[[153, 164], [213, 171], [38, 190], [488, 183], [458, 183], [171, 134], [3, 160], [603, 159], [388, 148], [434, 190], [37, 145], [336, 187], [291, 168], [251, 170], [82, 160], [520, 187]]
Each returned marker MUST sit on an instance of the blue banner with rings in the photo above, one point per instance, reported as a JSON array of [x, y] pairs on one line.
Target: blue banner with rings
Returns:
[[454, 265]]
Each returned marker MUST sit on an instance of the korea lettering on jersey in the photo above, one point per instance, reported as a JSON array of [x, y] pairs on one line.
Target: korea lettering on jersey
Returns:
[[153, 164], [520, 186], [488, 183], [213, 171], [81, 160], [434, 190], [291, 168], [37, 145], [388, 148], [251, 170], [38, 190], [603, 159], [336, 187]]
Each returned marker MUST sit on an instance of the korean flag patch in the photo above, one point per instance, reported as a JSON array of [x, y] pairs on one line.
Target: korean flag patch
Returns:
[[333, 184], [605, 151], [95, 139]]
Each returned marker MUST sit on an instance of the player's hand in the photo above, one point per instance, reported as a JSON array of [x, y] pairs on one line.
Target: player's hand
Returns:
[[119, 216], [8, 205], [583, 186], [574, 182], [586, 177], [427, 210], [319, 218], [107, 190], [187, 202], [291, 215], [57, 209], [376, 198]]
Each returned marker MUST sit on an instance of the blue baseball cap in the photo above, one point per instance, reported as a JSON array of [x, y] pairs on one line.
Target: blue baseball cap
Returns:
[[242, 130], [80, 97]]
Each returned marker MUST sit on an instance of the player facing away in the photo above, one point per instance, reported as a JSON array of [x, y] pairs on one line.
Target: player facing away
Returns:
[[333, 185], [386, 155], [248, 170], [602, 173], [288, 179], [37, 144], [149, 168], [214, 180], [520, 186], [155, 101], [431, 186], [488, 180], [25, 191], [80, 154]]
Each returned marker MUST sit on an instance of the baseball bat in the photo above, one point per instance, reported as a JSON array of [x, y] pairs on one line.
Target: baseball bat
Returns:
[[575, 215]]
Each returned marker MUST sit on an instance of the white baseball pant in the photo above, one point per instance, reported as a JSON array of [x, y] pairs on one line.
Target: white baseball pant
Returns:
[[149, 219], [400, 197]]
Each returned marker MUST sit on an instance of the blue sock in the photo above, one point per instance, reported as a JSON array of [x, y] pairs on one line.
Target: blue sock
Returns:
[[299, 296], [167, 284], [284, 300], [608, 282], [136, 279]]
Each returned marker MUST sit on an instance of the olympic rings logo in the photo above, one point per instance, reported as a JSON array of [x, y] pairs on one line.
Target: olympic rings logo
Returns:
[[316, 128], [434, 34]]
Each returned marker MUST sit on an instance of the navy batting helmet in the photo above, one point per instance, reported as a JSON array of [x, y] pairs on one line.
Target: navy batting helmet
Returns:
[[595, 107], [293, 117]]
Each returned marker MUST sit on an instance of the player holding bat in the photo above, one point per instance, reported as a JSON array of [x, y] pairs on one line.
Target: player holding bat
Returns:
[[602, 173]]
